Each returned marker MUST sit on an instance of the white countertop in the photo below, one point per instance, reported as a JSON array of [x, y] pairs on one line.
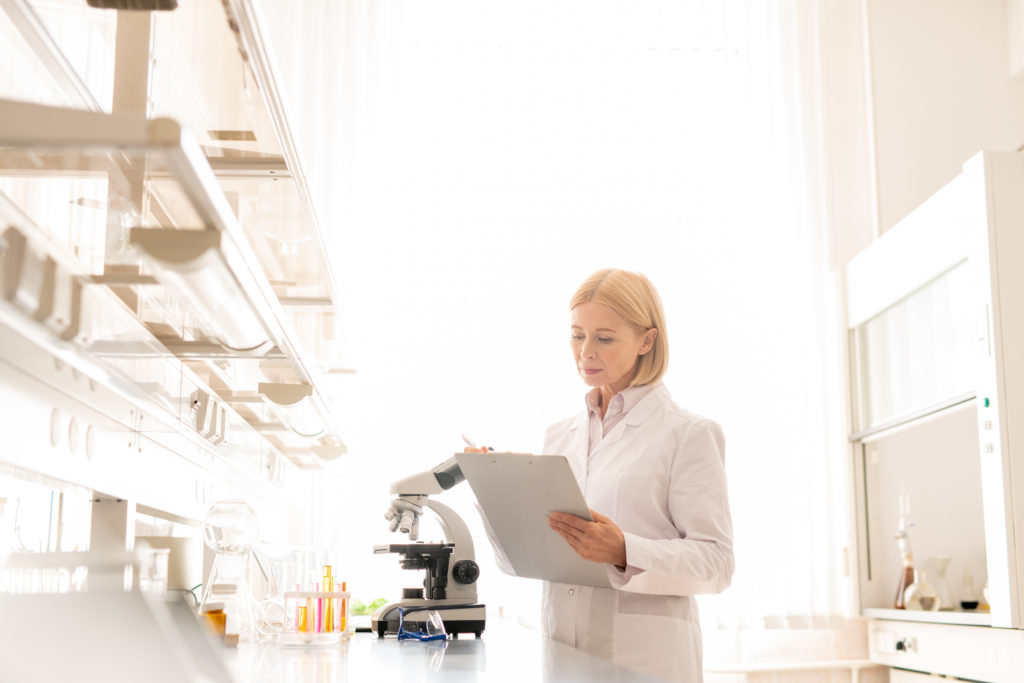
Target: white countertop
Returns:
[[507, 651]]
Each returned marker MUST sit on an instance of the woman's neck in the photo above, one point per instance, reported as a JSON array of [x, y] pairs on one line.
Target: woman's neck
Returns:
[[608, 391], [604, 398]]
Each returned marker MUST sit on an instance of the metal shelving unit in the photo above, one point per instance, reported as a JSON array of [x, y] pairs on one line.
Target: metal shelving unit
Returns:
[[161, 241]]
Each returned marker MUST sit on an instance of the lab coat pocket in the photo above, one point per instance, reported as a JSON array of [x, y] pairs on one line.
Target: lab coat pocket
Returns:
[[659, 646]]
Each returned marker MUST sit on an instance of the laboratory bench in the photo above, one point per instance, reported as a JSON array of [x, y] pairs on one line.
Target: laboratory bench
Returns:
[[506, 651]]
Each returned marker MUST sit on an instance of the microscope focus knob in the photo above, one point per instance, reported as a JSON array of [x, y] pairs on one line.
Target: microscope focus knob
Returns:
[[466, 571]]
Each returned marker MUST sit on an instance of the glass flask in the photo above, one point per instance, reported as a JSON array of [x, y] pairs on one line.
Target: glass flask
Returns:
[[231, 529], [941, 563], [920, 596], [284, 575], [969, 594]]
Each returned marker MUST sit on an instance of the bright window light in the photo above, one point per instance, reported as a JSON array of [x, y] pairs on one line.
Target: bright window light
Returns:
[[482, 158]]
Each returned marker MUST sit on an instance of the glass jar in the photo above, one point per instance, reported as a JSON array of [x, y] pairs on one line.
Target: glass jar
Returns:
[[921, 596]]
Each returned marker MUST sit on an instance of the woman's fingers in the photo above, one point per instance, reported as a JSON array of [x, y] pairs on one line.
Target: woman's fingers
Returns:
[[598, 541]]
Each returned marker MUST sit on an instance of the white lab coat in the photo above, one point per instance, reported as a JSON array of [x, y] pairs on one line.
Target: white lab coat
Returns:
[[659, 475]]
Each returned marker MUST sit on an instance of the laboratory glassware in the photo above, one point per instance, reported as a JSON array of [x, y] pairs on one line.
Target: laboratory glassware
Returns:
[[969, 594], [906, 576], [270, 617], [231, 529], [941, 563], [152, 568], [920, 595]]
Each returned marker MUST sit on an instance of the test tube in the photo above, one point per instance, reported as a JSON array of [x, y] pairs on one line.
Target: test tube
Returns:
[[302, 618], [318, 618], [344, 608], [328, 616]]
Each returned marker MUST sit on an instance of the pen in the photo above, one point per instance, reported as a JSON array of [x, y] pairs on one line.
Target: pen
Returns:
[[473, 445]]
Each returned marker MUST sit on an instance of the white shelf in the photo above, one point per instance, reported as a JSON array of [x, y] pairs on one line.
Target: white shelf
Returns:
[[974, 618]]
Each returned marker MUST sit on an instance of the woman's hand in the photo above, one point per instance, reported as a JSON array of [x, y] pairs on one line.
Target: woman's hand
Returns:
[[597, 541]]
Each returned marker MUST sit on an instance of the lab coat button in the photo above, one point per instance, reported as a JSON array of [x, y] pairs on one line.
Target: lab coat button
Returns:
[[572, 591]]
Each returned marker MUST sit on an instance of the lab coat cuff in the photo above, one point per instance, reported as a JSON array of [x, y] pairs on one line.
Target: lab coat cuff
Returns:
[[634, 559]]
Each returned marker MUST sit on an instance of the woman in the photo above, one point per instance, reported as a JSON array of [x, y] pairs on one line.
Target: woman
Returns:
[[654, 477]]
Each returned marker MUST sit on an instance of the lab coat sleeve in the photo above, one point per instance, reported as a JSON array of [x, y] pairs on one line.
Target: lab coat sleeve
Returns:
[[701, 559]]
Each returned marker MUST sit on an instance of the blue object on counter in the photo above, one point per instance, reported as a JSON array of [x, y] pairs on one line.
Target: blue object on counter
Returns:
[[434, 626]]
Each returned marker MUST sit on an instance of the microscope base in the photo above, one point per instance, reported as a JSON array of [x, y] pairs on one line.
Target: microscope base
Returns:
[[471, 619]]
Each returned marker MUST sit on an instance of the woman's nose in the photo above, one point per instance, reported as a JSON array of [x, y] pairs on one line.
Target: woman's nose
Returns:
[[587, 349]]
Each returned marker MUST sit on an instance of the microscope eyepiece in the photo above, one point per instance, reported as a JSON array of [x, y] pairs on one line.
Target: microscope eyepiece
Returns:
[[448, 474]]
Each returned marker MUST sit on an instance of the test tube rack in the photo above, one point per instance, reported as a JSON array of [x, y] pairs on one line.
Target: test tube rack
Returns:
[[316, 618]]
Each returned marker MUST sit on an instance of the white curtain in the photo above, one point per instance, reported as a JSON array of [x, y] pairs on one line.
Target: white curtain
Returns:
[[475, 160]]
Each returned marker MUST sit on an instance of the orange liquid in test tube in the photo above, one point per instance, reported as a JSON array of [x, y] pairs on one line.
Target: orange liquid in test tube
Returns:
[[344, 607]]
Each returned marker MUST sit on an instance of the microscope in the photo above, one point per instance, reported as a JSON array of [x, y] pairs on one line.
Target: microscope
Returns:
[[451, 572]]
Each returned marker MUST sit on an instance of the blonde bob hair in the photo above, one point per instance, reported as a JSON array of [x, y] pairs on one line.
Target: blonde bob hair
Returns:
[[635, 299]]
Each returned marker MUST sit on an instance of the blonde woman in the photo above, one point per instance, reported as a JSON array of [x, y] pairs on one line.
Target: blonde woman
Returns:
[[653, 474]]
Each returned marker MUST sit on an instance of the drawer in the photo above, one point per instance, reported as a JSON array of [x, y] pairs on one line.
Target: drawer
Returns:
[[977, 653]]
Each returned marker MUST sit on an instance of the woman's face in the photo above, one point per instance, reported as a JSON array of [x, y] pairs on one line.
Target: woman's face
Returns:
[[606, 347]]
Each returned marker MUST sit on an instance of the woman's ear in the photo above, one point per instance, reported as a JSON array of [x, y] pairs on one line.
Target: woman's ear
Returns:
[[648, 343]]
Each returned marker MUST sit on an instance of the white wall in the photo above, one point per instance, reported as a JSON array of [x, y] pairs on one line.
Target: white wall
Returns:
[[942, 91], [848, 163], [939, 90]]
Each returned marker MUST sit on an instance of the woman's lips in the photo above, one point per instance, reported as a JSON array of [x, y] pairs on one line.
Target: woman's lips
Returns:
[[591, 371]]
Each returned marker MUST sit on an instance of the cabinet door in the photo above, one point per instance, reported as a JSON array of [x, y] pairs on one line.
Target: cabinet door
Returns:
[[918, 353]]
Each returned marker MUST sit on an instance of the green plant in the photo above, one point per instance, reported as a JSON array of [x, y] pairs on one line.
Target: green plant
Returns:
[[359, 607]]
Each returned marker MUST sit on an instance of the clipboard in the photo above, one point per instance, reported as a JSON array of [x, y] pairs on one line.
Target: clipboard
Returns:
[[516, 492]]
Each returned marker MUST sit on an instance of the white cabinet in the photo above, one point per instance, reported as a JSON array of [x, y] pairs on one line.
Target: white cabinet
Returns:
[[935, 311]]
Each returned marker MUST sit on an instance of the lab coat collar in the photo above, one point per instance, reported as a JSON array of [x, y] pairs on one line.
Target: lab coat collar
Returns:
[[582, 456], [637, 414], [647, 405]]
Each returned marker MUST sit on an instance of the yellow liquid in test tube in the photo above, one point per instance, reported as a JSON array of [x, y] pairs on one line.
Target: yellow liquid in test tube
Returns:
[[302, 619], [328, 608]]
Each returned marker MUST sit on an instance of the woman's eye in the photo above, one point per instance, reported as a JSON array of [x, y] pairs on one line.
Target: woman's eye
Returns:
[[577, 337], [604, 340]]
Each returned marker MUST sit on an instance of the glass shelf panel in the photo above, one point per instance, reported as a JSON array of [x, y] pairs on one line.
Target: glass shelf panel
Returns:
[[135, 173], [271, 214], [22, 76], [200, 78], [919, 352], [86, 37], [935, 465], [88, 200]]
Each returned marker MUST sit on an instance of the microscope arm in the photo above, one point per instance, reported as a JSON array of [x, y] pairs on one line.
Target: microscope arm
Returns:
[[412, 492], [455, 530]]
